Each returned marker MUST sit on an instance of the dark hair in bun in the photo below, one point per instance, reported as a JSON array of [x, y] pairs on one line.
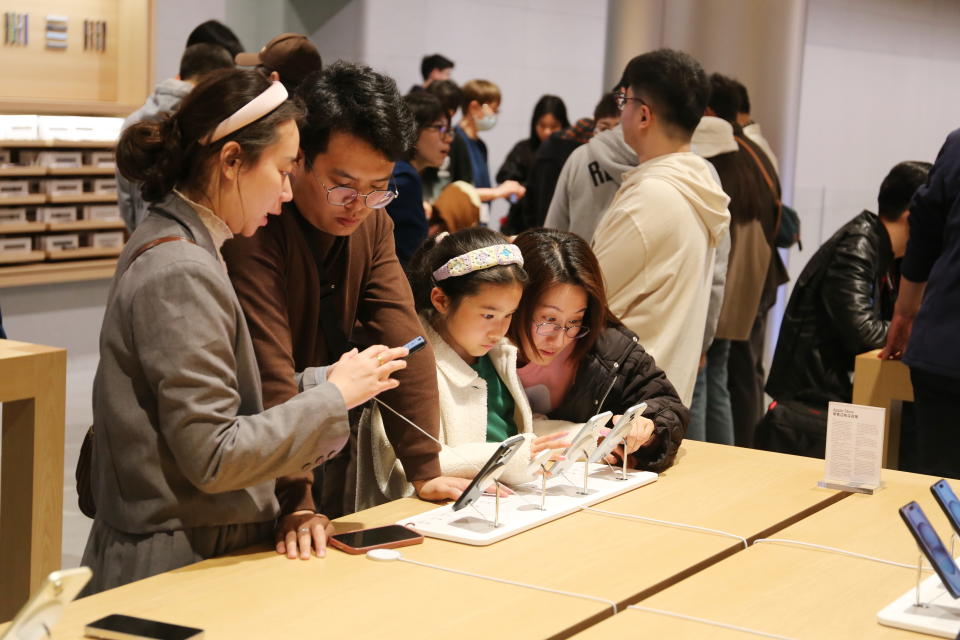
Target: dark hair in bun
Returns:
[[164, 153]]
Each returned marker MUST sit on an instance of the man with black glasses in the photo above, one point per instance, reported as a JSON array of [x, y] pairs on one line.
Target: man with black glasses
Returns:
[[324, 276]]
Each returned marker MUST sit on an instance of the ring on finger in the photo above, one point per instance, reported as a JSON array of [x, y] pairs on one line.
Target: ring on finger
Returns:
[[379, 360], [305, 530]]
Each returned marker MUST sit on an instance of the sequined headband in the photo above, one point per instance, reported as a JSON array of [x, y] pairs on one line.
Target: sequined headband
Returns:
[[492, 256]]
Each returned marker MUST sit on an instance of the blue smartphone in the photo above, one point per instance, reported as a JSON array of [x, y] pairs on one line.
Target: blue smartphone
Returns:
[[948, 502], [932, 547], [415, 345]]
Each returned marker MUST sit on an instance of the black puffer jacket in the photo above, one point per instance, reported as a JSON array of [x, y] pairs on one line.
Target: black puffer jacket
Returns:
[[617, 374], [840, 306]]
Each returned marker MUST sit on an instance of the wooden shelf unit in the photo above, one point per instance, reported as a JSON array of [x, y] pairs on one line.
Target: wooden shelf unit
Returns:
[[47, 267]]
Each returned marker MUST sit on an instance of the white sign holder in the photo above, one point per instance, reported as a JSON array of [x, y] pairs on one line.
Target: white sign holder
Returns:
[[854, 448]]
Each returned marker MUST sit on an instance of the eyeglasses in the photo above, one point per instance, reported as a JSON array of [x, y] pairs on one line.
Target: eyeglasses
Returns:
[[342, 196], [442, 129], [572, 331], [622, 99]]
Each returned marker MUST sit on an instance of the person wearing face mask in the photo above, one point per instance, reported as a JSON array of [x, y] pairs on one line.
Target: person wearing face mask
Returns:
[[324, 275], [184, 455], [468, 153], [434, 134], [577, 359]]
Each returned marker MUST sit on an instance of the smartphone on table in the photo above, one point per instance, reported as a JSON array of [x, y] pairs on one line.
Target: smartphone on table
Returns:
[[500, 457], [388, 537], [121, 627], [948, 501], [618, 433], [584, 437], [932, 547]]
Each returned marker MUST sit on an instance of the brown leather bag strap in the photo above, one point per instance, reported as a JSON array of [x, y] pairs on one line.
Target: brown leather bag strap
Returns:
[[763, 170], [158, 241]]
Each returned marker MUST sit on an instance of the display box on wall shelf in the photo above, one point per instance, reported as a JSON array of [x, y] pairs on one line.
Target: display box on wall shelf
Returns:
[[101, 212], [56, 214], [59, 242], [106, 239], [100, 159], [63, 186], [78, 128], [13, 215], [56, 159], [4, 156], [105, 185], [18, 244], [14, 188], [18, 127]]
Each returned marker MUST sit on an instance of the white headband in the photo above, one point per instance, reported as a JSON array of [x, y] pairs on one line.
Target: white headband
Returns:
[[260, 106]]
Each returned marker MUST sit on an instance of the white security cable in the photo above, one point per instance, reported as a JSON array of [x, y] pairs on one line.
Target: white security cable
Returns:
[[572, 594], [669, 523], [841, 551], [714, 623]]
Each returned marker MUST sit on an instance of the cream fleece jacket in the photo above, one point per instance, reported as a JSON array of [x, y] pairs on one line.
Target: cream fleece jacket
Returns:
[[656, 245]]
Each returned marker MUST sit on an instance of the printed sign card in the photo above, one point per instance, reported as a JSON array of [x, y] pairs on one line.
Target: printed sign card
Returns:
[[854, 447]]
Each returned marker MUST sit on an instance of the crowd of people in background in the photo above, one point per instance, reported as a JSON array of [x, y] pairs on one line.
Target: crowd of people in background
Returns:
[[251, 360]]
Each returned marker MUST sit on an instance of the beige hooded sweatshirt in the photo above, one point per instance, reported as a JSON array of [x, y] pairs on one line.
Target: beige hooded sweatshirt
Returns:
[[656, 245]]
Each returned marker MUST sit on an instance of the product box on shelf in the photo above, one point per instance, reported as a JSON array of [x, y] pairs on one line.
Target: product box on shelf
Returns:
[[79, 128], [14, 188], [106, 239], [12, 215], [100, 159], [4, 156], [55, 159], [105, 185], [15, 245], [56, 214], [63, 186], [59, 242], [17, 127], [101, 212]]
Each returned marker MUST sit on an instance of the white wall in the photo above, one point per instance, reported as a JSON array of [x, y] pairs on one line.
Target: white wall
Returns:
[[173, 22], [879, 87]]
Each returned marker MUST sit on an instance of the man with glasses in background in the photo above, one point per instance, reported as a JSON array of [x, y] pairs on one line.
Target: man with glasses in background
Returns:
[[657, 241], [324, 276]]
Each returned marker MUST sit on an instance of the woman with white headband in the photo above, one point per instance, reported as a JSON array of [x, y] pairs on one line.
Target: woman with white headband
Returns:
[[466, 286], [184, 456]]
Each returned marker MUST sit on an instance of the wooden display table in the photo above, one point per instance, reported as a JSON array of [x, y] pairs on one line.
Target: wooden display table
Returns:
[[885, 384], [262, 595], [32, 391], [802, 592]]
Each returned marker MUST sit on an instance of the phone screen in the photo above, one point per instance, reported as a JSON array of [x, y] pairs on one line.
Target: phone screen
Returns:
[[131, 627], [948, 502], [377, 536], [932, 547]]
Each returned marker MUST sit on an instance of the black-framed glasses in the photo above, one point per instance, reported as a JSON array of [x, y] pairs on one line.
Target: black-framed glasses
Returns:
[[572, 331], [622, 99], [442, 129], [342, 196]]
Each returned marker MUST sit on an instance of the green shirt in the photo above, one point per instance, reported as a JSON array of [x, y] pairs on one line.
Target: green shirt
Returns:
[[500, 406]]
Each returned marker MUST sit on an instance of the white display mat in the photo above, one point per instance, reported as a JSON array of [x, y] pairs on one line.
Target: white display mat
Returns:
[[941, 616], [521, 511]]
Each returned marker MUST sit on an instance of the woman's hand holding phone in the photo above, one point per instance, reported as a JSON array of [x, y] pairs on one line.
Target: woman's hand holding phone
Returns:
[[553, 441], [361, 376], [302, 531], [640, 434]]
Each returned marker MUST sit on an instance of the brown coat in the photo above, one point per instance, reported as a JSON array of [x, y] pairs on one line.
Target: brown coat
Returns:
[[276, 280]]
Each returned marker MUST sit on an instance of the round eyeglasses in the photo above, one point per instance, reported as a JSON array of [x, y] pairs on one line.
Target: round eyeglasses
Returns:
[[444, 130], [572, 331], [342, 196]]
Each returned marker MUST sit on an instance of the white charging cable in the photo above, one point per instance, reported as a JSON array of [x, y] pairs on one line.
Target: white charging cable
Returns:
[[714, 623], [669, 523], [841, 551]]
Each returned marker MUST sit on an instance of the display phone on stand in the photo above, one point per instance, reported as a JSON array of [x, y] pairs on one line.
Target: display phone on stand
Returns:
[[948, 501], [618, 433], [932, 547], [389, 537], [500, 457], [120, 627], [37, 618], [586, 436]]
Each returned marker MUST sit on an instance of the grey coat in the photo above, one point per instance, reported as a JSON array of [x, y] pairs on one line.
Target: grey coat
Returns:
[[181, 437]]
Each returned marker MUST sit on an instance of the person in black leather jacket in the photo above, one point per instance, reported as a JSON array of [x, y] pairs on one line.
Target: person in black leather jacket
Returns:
[[579, 358], [843, 300]]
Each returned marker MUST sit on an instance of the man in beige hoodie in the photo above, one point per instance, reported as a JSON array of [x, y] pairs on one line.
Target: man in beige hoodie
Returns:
[[657, 241]]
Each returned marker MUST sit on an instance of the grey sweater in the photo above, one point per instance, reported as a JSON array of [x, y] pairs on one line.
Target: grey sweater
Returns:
[[181, 437]]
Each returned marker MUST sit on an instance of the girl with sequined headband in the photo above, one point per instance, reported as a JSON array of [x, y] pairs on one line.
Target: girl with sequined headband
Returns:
[[466, 287]]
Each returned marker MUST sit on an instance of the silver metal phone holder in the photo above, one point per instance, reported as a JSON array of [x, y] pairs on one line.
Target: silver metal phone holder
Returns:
[[543, 488], [586, 473]]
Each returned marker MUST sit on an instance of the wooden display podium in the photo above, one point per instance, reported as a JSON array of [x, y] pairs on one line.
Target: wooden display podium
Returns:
[[886, 384], [32, 392]]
